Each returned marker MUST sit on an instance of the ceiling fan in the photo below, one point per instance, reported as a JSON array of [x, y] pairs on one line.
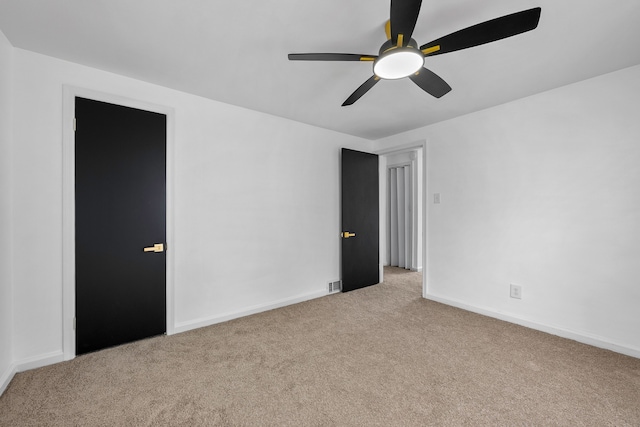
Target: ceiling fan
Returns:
[[401, 57]]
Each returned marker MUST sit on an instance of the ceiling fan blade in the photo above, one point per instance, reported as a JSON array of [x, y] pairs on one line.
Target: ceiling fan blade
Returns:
[[404, 14], [430, 82], [330, 57], [364, 88], [485, 32]]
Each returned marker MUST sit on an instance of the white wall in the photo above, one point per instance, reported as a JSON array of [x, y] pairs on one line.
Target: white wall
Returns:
[[256, 203], [6, 342], [543, 192]]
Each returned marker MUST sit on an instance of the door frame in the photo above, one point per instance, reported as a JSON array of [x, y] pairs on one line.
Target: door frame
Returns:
[[425, 205], [68, 206]]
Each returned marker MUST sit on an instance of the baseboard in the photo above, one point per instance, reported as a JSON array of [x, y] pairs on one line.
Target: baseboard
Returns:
[[208, 321], [6, 377], [26, 364], [39, 361], [553, 330]]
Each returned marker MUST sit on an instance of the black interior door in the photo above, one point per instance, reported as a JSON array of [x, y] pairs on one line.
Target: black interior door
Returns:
[[120, 197], [360, 219]]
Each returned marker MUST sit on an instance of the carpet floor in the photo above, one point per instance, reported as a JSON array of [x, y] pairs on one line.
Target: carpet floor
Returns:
[[379, 356]]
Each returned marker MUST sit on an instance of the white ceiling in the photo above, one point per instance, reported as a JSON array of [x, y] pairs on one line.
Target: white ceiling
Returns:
[[236, 52]]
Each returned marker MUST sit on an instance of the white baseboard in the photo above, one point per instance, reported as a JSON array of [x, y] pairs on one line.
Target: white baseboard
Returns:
[[6, 377], [26, 364], [208, 321], [564, 333], [39, 361]]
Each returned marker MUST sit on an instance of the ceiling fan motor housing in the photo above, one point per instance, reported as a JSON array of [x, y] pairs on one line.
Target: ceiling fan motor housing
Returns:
[[396, 62]]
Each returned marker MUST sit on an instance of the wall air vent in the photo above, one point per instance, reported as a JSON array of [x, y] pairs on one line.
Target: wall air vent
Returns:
[[335, 286]]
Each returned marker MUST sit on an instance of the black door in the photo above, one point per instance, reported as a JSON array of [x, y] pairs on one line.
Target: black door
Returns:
[[360, 220], [120, 194]]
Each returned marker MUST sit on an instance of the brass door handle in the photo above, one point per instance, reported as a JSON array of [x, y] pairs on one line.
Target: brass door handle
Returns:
[[158, 247], [346, 234]]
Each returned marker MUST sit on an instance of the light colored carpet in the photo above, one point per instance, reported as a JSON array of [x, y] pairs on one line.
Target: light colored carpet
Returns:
[[377, 356]]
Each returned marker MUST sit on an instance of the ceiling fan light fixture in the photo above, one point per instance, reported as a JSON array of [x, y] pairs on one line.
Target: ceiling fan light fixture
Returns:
[[398, 63], [400, 55]]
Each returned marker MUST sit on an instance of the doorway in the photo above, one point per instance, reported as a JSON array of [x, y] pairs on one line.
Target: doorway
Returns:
[[402, 237], [412, 158], [120, 197], [132, 313]]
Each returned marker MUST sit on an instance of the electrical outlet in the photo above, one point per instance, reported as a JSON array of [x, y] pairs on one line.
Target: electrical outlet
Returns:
[[436, 198], [516, 291]]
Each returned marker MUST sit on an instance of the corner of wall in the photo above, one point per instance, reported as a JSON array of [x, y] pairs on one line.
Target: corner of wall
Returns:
[[6, 377], [7, 366]]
